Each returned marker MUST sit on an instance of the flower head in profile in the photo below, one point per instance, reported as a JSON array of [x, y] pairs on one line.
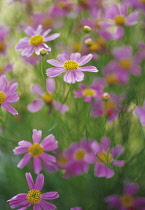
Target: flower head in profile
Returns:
[[46, 98], [8, 94], [37, 151], [104, 157], [34, 196], [72, 66], [36, 41], [140, 112], [127, 201]]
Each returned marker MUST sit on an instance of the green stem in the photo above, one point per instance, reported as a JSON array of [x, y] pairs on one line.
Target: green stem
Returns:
[[42, 72]]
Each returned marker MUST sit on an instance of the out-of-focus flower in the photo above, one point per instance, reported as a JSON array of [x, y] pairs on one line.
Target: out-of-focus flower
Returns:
[[137, 4], [94, 91], [5, 69], [25, 1], [4, 32], [33, 59], [72, 66], [46, 98], [118, 71], [127, 201], [37, 151], [140, 56], [34, 196], [36, 42], [140, 112], [104, 157], [110, 108], [76, 208], [8, 94]]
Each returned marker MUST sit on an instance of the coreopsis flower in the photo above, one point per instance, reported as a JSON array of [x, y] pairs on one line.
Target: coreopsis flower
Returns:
[[118, 70], [117, 16], [37, 151], [34, 197], [104, 158], [140, 112], [127, 201], [72, 66], [4, 32], [5, 69], [36, 42], [46, 98], [8, 94], [94, 91]]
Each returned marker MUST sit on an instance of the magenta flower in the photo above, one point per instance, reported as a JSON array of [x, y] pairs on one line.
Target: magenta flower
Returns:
[[37, 151], [4, 32], [8, 94], [34, 196], [140, 112], [72, 66], [46, 98], [5, 69], [104, 157], [94, 91], [127, 201], [36, 42], [137, 4], [76, 208]]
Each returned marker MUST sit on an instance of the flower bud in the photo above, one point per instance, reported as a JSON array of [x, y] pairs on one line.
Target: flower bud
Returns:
[[87, 29]]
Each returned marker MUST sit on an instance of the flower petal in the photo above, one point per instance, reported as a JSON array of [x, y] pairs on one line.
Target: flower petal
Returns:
[[30, 181], [36, 105], [9, 108], [37, 165], [24, 161], [54, 63], [50, 85], [51, 37], [88, 68], [75, 56], [49, 143], [39, 182], [60, 107], [50, 195], [53, 72], [85, 59], [36, 136]]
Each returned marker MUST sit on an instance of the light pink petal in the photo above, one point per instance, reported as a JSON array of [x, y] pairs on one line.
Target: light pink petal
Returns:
[[28, 51], [50, 195], [123, 9], [39, 182], [19, 150], [90, 158], [39, 29], [37, 165], [49, 143], [24, 161], [73, 76], [60, 107], [119, 163], [85, 59], [140, 112], [122, 52], [9, 108], [88, 68], [114, 201], [13, 87], [53, 72], [46, 205], [119, 33], [46, 32], [30, 181], [88, 98], [62, 58], [132, 19], [42, 46], [36, 105], [24, 143], [29, 31], [37, 206], [36, 136], [96, 147], [23, 43], [51, 37], [75, 56], [101, 170], [37, 90], [131, 189], [50, 85], [48, 159], [54, 63], [105, 144], [112, 11], [117, 150]]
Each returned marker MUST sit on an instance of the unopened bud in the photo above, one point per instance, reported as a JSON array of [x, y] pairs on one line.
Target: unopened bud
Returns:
[[106, 96], [88, 42], [87, 29], [43, 52]]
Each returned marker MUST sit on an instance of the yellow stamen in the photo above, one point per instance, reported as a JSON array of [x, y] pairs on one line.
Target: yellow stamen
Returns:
[[34, 196], [105, 157], [1, 69], [111, 79], [70, 65], [47, 22], [36, 40], [120, 20], [47, 97], [89, 92], [76, 46], [127, 200], [125, 63], [94, 47], [79, 154], [2, 97], [142, 1], [62, 160], [110, 105], [35, 150], [2, 46]]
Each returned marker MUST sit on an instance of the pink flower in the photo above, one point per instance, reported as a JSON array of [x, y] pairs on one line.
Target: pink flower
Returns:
[[34, 196], [5, 69], [37, 151], [127, 201], [36, 42], [72, 66], [8, 94], [104, 157], [76, 208], [4, 32], [140, 112], [46, 98]]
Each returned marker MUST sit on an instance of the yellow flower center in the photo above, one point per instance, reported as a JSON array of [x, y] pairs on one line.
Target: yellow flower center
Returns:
[[110, 105], [89, 92], [2, 97], [111, 79], [142, 1], [34, 196], [101, 42], [2, 46], [76, 46], [62, 160], [70, 65], [105, 157], [1, 69], [36, 40], [47, 97], [79, 154], [127, 200], [61, 4], [120, 20], [125, 63], [35, 150], [47, 22], [95, 47]]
